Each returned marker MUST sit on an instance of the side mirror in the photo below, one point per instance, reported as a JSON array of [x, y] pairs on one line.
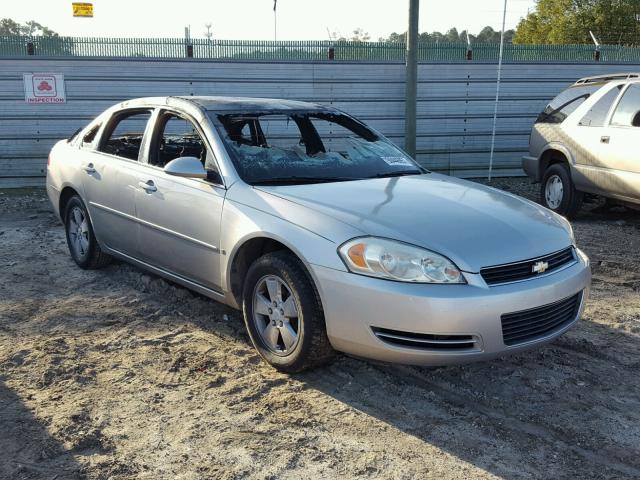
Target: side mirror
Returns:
[[188, 167], [636, 120]]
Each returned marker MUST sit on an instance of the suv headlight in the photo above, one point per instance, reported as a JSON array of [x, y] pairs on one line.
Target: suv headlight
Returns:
[[382, 258]]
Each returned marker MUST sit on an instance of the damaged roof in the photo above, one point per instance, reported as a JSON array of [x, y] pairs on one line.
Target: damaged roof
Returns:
[[236, 104]]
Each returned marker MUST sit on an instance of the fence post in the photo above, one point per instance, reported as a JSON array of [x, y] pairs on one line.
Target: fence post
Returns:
[[189, 51], [411, 80], [469, 54], [332, 53], [31, 50]]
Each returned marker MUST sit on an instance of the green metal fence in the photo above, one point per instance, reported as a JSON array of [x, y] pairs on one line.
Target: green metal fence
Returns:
[[305, 50]]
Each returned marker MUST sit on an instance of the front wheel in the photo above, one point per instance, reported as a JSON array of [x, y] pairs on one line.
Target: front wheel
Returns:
[[558, 193], [283, 314]]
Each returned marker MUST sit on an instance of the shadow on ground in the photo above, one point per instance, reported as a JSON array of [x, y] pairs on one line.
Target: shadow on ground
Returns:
[[27, 451]]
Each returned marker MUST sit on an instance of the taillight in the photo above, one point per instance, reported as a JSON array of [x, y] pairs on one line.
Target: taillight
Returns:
[[48, 160]]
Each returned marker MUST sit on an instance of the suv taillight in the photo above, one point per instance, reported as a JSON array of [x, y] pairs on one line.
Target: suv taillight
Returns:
[[49, 161]]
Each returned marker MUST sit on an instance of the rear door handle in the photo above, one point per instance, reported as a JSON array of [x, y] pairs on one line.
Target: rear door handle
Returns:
[[89, 168], [148, 186], [604, 139]]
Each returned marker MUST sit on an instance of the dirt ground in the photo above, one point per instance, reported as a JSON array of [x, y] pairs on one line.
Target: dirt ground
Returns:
[[117, 374]]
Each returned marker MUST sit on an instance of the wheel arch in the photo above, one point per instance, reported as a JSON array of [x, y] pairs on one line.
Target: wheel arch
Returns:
[[247, 251], [554, 153], [65, 195]]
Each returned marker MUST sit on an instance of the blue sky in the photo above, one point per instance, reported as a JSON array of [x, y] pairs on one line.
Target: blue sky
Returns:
[[253, 19]]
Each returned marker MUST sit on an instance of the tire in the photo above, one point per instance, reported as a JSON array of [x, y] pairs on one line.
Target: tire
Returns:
[[272, 327], [82, 243], [558, 193]]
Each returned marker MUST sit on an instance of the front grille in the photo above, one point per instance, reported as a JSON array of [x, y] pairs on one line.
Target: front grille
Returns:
[[527, 325], [514, 272], [425, 341]]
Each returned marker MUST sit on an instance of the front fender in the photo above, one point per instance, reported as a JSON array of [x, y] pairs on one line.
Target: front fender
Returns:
[[241, 223]]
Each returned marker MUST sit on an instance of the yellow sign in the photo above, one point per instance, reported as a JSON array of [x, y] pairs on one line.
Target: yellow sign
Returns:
[[82, 9]]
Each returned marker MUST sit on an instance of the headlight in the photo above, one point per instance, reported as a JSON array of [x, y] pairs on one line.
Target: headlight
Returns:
[[382, 258]]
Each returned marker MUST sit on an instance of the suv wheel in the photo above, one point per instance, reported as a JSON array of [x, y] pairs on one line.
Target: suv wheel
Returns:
[[82, 243], [283, 314], [558, 192]]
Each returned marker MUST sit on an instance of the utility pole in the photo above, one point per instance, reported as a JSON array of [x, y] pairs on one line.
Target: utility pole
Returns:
[[411, 82], [499, 77], [275, 20]]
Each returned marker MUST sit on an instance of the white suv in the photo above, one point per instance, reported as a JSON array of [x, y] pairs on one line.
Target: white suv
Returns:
[[587, 140]]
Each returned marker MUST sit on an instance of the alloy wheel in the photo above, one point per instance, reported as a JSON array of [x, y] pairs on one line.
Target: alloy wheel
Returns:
[[275, 314], [78, 231]]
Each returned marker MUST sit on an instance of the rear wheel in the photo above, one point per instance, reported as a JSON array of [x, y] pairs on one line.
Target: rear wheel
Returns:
[[283, 314], [558, 193], [82, 243]]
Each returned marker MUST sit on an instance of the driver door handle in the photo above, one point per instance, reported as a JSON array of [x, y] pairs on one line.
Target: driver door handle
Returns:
[[605, 139], [89, 168], [148, 186]]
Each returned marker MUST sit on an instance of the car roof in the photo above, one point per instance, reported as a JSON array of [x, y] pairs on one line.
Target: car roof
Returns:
[[607, 78], [250, 104]]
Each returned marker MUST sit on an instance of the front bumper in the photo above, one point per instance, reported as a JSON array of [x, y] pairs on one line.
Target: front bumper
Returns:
[[531, 165], [354, 304]]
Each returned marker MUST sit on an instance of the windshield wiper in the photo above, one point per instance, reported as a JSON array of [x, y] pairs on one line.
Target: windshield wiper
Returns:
[[293, 180], [399, 173]]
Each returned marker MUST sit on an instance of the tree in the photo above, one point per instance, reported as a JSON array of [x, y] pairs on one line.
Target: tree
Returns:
[[11, 28], [359, 35], [452, 35], [48, 42], [569, 22], [489, 35], [394, 37], [486, 35]]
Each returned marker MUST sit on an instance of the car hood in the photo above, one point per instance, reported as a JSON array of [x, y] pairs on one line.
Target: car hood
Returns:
[[473, 225]]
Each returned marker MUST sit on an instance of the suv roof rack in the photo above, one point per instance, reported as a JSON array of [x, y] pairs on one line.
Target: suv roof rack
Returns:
[[607, 78]]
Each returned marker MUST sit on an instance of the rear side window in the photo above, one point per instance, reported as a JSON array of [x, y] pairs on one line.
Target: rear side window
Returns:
[[90, 136], [565, 104], [627, 112], [123, 137], [597, 115]]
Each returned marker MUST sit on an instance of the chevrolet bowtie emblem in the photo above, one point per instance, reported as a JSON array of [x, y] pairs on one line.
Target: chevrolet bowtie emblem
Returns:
[[540, 267]]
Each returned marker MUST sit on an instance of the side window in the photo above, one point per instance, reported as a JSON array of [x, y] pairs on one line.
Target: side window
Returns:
[[627, 113], [178, 137], [90, 136], [566, 103], [597, 115], [124, 136]]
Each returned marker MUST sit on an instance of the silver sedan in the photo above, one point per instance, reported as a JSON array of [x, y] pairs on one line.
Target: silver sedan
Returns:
[[325, 234]]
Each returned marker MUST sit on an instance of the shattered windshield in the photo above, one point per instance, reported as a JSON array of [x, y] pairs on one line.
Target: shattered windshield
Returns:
[[307, 147]]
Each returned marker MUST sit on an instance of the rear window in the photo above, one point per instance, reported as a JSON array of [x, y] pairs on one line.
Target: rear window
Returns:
[[566, 103], [628, 110]]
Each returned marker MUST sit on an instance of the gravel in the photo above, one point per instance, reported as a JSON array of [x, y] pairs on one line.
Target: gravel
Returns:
[[117, 374]]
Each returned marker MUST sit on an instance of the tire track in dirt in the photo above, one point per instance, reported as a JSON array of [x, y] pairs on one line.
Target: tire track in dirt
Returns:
[[127, 376], [609, 458]]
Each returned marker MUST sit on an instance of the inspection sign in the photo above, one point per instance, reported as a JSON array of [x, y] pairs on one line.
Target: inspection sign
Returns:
[[82, 9], [44, 88]]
